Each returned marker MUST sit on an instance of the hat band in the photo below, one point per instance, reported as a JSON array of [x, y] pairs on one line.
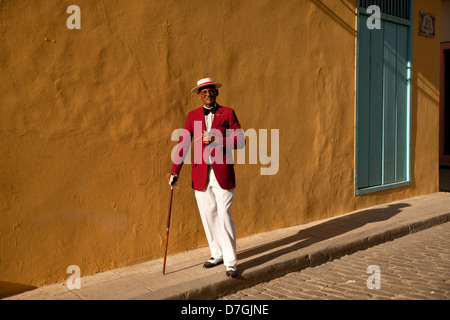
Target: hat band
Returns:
[[205, 83]]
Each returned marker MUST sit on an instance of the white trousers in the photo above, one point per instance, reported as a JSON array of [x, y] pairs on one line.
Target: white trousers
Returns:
[[214, 205]]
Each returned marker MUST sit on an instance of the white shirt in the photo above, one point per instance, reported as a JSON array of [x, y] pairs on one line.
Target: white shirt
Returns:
[[208, 123], [208, 120]]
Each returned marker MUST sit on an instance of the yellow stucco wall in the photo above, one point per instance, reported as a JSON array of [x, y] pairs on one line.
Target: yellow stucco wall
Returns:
[[87, 117]]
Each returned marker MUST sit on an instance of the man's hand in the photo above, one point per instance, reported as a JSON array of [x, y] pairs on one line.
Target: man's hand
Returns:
[[171, 178], [208, 138]]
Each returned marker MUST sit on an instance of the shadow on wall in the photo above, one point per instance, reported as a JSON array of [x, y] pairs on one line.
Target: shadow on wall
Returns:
[[9, 289], [324, 231], [345, 25]]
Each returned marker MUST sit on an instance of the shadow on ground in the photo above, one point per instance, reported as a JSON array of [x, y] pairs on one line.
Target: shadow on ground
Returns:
[[309, 236]]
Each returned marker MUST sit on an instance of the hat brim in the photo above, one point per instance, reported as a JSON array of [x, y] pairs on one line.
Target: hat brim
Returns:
[[217, 85]]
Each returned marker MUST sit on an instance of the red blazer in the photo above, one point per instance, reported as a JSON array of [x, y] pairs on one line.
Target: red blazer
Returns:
[[228, 136]]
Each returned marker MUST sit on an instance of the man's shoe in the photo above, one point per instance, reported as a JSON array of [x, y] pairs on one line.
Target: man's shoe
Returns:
[[231, 272], [212, 262]]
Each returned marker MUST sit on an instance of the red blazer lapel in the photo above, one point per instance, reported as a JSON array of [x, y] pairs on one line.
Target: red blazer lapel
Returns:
[[199, 116], [218, 118]]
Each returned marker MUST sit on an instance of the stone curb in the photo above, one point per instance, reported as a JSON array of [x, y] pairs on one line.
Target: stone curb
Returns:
[[209, 288]]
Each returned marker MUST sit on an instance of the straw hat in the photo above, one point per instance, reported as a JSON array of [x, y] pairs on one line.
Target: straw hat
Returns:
[[206, 82]]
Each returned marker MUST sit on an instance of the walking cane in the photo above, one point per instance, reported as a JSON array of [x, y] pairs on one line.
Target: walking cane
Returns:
[[168, 227]]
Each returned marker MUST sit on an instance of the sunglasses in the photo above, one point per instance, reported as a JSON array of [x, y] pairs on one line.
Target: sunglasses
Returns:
[[210, 91]]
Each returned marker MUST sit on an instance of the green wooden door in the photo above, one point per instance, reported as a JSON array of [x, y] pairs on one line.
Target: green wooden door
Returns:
[[383, 105]]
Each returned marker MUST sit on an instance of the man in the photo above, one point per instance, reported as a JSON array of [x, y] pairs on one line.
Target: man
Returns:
[[215, 131]]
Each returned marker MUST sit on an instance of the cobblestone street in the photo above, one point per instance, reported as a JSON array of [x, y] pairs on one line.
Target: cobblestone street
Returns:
[[416, 266]]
